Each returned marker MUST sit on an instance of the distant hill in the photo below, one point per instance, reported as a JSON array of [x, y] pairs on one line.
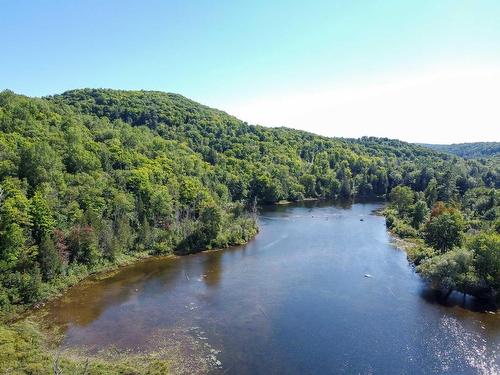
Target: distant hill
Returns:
[[469, 150]]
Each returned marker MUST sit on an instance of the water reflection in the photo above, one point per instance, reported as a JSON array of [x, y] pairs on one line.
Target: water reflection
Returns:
[[458, 300], [212, 269]]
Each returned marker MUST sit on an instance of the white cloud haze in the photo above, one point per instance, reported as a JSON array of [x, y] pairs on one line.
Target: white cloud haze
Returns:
[[439, 106]]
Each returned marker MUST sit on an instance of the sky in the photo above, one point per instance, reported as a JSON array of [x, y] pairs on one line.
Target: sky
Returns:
[[419, 71]]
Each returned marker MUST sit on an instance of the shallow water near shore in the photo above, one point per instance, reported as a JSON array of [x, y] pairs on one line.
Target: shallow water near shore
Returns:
[[320, 290]]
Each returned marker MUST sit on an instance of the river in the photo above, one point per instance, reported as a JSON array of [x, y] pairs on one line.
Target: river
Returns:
[[320, 290]]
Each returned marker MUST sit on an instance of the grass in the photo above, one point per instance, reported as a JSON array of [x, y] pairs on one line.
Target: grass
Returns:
[[25, 349]]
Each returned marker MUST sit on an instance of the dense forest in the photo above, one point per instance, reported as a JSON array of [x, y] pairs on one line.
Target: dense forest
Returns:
[[469, 150], [93, 176]]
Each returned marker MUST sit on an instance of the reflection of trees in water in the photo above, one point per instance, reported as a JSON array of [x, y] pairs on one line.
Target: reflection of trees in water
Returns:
[[435, 296], [205, 267], [85, 303], [212, 268], [312, 204], [457, 306]]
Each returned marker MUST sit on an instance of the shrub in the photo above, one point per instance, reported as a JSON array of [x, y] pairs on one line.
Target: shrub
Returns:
[[418, 254], [404, 230]]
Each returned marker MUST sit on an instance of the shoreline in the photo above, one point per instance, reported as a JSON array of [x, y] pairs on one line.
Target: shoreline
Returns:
[[27, 326], [126, 260], [285, 202], [401, 243], [405, 244], [105, 270]]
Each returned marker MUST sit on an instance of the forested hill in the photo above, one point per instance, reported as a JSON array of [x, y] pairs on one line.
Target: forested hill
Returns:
[[274, 163], [90, 176], [469, 150]]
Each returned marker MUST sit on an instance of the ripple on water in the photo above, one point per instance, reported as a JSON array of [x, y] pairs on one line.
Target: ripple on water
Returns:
[[465, 346]]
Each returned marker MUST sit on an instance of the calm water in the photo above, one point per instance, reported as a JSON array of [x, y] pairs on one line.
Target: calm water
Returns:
[[293, 301]]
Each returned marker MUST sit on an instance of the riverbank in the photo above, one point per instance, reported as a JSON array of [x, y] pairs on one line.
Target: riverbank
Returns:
[[28, 345], [26, 349], [285, 202], [404, 244], [76, 275], [417, 251]]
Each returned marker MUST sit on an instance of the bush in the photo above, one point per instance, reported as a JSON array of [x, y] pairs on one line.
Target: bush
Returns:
[[391, 216], [486, 249], [452, 270], [418, 254], [4, 299], [404, 230]]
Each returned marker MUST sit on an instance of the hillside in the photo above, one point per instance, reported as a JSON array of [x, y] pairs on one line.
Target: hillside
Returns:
[[91, 176], [469, 150], [254, 160]]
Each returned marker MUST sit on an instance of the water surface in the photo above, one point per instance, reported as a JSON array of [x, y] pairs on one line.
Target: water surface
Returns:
[[296, 300]]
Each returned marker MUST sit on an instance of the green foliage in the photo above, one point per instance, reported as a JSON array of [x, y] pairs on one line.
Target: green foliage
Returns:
[[20, 351], [445, 231], [482, 203], [23, 287], [41, 217], [391, 216], [418, 254], [91, 176], [420, 212], [48, 258], [404, 230], [79, 190], [431, 193], [82, 245], [275, 164], [401, 198], [486, 247], [40, 163], [451, 270], [473, 268]]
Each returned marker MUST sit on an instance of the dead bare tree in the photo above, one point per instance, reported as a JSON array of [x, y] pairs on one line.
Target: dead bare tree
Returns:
[[86, 367], [57, 369], [253, 209]]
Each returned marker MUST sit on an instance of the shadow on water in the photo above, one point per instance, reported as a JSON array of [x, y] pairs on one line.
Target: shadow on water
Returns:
[[344, 204], [312, 203], [456, 299], [212, 269]]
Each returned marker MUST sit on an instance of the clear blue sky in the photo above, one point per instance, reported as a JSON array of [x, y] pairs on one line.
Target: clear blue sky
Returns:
[[230, 54]]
